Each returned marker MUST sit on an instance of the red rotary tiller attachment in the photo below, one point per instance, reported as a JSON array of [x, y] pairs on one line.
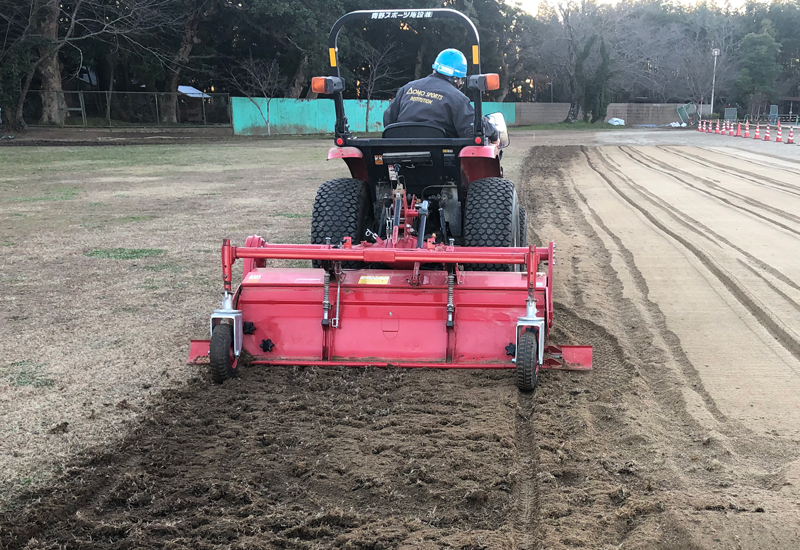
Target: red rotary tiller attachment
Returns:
[[413, 307], [403, 298]]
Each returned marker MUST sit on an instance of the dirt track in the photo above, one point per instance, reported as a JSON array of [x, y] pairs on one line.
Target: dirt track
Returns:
[[675, 263]]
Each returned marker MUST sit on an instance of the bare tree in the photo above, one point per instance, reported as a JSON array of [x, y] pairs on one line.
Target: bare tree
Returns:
[[570, 47], [36, 31], [192, 13], [669, 61], [257, 78], [380, 71]]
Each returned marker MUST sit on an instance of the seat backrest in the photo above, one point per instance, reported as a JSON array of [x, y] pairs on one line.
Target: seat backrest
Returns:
[[420, 130]]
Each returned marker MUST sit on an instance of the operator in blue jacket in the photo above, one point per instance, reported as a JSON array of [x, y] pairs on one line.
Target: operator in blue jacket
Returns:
[[437, 99]]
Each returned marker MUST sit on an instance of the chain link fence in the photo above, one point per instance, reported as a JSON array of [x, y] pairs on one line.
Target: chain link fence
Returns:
[[90, 109]]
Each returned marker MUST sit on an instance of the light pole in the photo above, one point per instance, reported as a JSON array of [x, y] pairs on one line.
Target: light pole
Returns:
[[715, 53], [551, 91]]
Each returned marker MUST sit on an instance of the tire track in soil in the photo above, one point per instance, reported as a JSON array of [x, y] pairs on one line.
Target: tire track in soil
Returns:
[[755, 162], [786, 339], [745, 175], [705, 231], [651, 163], [609, 280], [526, 463], [598, 484], [618, 446]]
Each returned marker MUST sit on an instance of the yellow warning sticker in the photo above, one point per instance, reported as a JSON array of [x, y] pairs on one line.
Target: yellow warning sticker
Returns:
[[373, 280]]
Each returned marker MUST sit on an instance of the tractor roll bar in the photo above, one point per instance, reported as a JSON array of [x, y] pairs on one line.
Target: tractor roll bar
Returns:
[[405, 15]]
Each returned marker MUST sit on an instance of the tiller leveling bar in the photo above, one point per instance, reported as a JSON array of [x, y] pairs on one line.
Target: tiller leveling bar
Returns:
[[397, 314]]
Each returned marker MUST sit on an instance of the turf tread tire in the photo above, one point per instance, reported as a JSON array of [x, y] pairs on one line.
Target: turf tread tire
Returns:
[[491, 218], [523, 226], [220, 354], [341, 209], [527, 358]]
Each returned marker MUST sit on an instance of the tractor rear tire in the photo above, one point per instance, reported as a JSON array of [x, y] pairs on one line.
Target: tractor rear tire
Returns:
[[527, 357], [222, 361], [523, 226], [342, 209], [492, 218]]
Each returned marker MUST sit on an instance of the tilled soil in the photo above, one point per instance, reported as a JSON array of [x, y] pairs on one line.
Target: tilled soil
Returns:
[[655, 448], [299, 458]]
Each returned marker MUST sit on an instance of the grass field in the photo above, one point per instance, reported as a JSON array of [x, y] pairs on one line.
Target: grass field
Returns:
[[109, 262]]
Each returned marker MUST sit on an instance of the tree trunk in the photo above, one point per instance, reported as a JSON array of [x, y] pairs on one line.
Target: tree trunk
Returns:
[[16, 120], [6, 119], [50, 67], [299, 80], [110, 90], [574, 108], [418, 68], [170, 112], [188, 40], [505, 81]]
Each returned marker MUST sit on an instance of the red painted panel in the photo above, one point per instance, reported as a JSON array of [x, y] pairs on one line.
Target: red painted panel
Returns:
[[344, 152], [486, 151], [391, 332], [475, 168], [383, 319]]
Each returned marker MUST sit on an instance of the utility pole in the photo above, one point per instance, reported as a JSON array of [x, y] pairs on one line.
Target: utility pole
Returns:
[[715, 53], [551, 91]]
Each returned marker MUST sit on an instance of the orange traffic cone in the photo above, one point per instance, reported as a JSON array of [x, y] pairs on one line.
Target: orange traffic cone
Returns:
[[699, 125], [730, 128], [766, 133], [778, 139], [747, 128], [790, 141], [738, 129], [717, 130], [758, 130]]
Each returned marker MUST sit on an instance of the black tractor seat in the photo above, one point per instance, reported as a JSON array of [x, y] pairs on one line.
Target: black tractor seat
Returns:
[[423, 130]]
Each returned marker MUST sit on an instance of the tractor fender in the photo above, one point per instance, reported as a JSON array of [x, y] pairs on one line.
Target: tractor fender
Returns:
[[354, 158], [480, 161]]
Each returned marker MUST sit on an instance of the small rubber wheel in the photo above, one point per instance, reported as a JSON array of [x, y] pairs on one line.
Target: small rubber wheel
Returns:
[[527, 357], [222, 359]]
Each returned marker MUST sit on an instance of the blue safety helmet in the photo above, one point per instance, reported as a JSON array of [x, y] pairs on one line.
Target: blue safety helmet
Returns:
[[451, 62]]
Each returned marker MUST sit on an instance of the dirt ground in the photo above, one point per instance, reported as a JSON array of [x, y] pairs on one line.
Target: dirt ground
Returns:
[[677, 260]]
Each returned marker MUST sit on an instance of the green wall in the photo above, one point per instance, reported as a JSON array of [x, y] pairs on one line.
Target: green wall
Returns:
[[317, 116]]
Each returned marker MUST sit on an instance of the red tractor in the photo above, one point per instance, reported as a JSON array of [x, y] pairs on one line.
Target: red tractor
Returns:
[[419, 259]]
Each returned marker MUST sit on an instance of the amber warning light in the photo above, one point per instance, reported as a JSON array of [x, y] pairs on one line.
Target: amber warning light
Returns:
[[327, 84]]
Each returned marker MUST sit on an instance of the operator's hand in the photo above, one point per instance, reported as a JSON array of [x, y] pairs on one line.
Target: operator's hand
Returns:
[[490, 131]]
